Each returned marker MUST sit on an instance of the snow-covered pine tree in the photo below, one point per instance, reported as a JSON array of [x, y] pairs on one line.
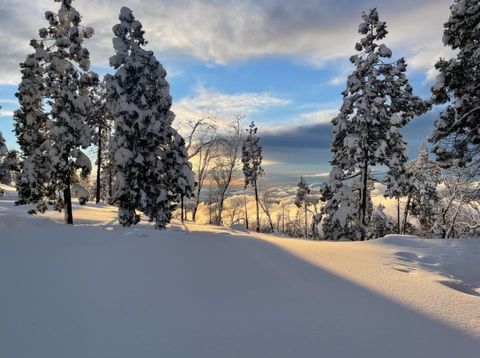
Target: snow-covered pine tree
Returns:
[[302, 200], [378, 102], [3, 154], [457, 132], [252, 163], [340, 212], [67, 84], [381, 224], [33, 182], [139, 101], [3, 146], [422, 198], [10, 164], [179, 175]]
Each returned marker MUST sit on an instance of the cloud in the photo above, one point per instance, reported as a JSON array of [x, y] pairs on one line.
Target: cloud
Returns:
[[222, 32], [223, 106], [6, 113], [291, 126]]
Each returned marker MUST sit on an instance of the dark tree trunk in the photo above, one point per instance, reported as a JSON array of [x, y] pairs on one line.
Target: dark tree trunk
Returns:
[[99, 164], [398, 216], [67, 197], [363, 207], [110, 183], [246, 211], [405, 216], [256, 202], [306, 221], [182, 208]]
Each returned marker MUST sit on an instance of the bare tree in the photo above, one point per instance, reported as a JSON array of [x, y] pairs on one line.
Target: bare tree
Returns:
[[226, 163], [235, 210], [201, 143], [266, 201]]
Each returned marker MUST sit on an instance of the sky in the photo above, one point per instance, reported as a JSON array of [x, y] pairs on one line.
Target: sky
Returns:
[[282, 64]]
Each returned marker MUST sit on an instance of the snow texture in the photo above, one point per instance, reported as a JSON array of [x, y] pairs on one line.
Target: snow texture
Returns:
[[99, 290]]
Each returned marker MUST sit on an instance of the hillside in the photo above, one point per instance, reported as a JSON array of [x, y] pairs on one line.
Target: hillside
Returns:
[[98, 290]]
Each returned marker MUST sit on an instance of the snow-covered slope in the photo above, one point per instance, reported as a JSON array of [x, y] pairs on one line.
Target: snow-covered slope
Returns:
[[97, 290]]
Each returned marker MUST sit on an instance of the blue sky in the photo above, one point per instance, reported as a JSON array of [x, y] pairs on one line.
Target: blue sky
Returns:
[[282, 64]]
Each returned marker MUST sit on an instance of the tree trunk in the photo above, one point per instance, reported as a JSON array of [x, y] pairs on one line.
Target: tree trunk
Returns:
[[256, 202], [306, 221], [246, 211], [405, 216], [398, 216], [181, 209], [283, 218], [99, 163], [67, 197], [110, 182], [363, 206]]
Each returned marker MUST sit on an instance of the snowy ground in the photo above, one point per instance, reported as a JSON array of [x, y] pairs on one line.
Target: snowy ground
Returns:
[[97, 290]]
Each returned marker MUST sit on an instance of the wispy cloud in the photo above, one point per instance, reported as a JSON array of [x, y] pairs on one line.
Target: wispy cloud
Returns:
[[6, 113], [223, 106], [229, 31]]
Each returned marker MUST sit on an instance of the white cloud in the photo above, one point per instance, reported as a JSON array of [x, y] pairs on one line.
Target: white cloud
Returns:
[[222, 32], [6, 113], [223, 106]]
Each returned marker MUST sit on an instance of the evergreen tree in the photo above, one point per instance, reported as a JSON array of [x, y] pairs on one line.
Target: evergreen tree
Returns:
[[64, 81], [252, 163], [302, 200], [10, 164], [4, 175], [378, 102], [3, 146], [180, 177], [422, 198], [457, 134], [144, 142], [33, 182], [381, 224], [340, 212]]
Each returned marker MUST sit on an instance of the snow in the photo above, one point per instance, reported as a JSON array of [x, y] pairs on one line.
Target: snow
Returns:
[[99, 290]]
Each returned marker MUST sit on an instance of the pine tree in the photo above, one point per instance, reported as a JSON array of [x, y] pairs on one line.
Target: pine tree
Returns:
[[3, 146], [457, 134], [422, 198], [33, 183], [302, 200], [340, 212], [10, 164], [65, 131], [381, 224], [180, 177], [4, 177], [252, 163], [378, 102], [144, 142]]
